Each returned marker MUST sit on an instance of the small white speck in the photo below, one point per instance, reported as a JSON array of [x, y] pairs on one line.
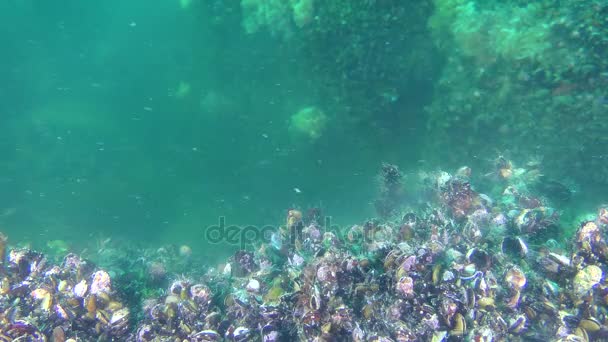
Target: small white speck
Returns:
[[264, 135], [132, 24], [297, 190]]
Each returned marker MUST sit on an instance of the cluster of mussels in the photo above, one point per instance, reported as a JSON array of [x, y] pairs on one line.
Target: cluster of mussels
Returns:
[[71, 302], [460, 266], [456, 265]]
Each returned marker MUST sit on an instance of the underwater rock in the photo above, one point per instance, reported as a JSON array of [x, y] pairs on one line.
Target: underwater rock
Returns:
[[586, 279]]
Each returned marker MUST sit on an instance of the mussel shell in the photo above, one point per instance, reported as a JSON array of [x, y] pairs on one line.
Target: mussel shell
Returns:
[[240, 334], [23, 262], [479, 257], [514, 246], [80, 289], [157, 313], [590, 324], [213, 319], [90, 305], [571, 321], [200, 294], [486, 303], [119, 322], [518, 325], [103, 317], [21, 289], [24, 330], [268, 328], [582, 334], [470, 297], [120, 317], [188, 310], [436, 275], [501, 324], [391, 259], [550, 288], [270, 312], [269, 335], [58, 334], [145, 333], [5, 286], [206, 335], [459, 325], [315, 300]]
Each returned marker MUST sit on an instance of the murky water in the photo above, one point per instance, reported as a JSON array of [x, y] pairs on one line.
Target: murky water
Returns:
[[140, 134]]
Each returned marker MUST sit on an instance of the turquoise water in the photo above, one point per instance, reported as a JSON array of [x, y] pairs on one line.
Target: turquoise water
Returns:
[[150, 120], [281, 170]]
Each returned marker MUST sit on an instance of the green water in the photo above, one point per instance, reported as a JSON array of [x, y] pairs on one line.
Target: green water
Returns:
[[150, 120]]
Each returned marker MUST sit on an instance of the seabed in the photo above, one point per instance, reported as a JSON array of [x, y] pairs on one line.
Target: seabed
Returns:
[[453, 264]]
